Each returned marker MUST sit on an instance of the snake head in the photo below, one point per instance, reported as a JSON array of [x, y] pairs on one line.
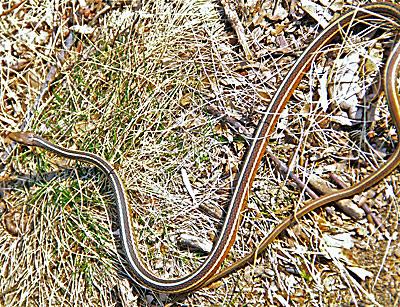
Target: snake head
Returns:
[[26, 138]]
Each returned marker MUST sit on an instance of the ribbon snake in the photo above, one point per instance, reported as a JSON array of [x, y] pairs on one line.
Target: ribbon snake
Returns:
[[205, 274]]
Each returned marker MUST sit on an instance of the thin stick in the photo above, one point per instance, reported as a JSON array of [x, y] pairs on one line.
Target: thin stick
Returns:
[[237, 26], [372, 218], [283, 169], [14, 7]]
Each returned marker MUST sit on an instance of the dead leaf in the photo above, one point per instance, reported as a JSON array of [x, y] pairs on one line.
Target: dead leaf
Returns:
[[319, 13], [322, 76], [187, 184], [186, 99], [360, 272]]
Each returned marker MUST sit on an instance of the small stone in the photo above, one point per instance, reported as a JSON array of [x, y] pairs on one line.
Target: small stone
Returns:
[[196, 243]]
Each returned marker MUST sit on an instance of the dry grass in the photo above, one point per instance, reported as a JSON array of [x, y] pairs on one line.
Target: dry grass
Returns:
[[136, 95]]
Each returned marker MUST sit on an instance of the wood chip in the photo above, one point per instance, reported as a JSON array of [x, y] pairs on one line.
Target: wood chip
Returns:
[[346, 205]]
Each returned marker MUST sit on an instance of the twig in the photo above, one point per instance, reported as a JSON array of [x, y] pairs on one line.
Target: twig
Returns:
[[14, 7], [231, 121], [283, 169], [237, 26], [345, 205], [372, 218], [100, 13]]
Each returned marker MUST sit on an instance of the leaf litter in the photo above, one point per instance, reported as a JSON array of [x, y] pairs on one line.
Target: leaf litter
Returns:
[[212, 71]]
